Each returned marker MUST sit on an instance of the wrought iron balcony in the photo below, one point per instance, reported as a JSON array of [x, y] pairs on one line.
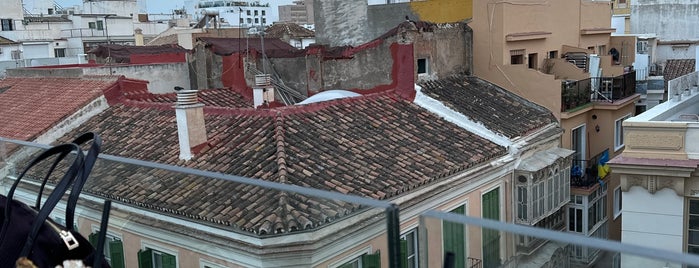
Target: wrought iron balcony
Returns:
[[579, 93]]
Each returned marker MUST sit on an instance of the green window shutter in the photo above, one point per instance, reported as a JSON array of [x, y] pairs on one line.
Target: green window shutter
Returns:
[[145, 258], [404, 253], [91, 25], [93, 238], [346, 265], [454, 237], [491, 238], [169, 261], [116, 253], [100, 25], [371, 260]]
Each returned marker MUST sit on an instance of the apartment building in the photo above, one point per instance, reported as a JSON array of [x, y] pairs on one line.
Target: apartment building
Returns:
[[658, 171]]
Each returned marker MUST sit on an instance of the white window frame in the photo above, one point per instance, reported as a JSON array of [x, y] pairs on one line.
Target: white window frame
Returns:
[[415, 245], [583, 142], [148, 245], [204, 263], [619, 132], [427, 66], [617, 202], [351, 257]]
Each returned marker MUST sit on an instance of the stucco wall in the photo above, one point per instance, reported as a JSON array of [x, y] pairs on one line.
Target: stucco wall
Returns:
[[162, 77], [652, 217], [341, 22], [669, 19], [368, 68], [448, 50]]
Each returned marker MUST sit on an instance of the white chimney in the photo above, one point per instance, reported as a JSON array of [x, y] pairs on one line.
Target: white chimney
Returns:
[[191, 129], [263, 92]]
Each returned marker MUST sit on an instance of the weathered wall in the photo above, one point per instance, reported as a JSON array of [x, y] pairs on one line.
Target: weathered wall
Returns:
[[162, 77], [367, 69], [382, 18], [447, 49], [669, 19], [293, 71], [341, 22]]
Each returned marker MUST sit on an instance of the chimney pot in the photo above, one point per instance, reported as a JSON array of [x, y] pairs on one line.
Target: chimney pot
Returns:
[[191, 129]]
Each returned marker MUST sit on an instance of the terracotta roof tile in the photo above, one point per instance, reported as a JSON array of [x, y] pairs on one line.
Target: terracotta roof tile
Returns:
[[374, 146], [30, 106], [496, 108], [292, 30], [219, 97], [677, 67]]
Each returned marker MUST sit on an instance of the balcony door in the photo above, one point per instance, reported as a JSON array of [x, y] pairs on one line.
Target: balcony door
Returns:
[[577, 143]]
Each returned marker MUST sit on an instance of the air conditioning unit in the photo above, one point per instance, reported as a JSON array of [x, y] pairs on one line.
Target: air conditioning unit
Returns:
[[642, 47]]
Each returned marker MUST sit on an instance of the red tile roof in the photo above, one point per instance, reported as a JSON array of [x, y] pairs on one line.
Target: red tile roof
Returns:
[[677, 67], [273, 47], [291, 30], [376, 146], [218, 97], [496, 108], [30, 106]]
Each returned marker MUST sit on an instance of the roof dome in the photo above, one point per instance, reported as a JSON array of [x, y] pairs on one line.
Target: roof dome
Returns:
[[330, 95]]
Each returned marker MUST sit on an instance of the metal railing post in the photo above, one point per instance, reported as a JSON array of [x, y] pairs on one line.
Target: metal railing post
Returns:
[[393, 230]]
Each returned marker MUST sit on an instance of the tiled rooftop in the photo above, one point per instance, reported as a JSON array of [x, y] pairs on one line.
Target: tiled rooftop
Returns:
[[273, 47], [218, 97], [677, 67], [376, 146], [292, 30], [30, 106], [496, 108]]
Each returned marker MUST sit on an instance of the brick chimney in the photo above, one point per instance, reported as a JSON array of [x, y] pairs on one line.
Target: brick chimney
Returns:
[[191, 129]]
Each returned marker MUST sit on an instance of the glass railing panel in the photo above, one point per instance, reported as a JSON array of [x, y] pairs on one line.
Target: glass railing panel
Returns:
[[453, 240], [164, 214]]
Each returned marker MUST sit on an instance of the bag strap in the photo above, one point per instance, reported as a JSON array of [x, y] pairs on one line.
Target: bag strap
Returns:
[[90, 159], [102, 235], [60, 189]]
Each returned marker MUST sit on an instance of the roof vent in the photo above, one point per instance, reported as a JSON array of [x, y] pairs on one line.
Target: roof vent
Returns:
[[186, 97], [263, 80]]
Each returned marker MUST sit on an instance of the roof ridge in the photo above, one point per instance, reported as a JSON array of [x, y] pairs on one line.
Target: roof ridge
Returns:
[[281, 151]]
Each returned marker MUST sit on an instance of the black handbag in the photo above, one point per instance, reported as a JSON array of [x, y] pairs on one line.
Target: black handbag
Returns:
[[28, 232]]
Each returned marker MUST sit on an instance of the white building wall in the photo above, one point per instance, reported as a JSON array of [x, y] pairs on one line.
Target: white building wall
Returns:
[[619, 23], [11, 9], [652, 220], [124, 8], [666, 52]]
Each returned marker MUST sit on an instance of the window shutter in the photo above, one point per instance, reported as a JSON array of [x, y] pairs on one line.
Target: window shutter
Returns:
[[371, 260], [454, 237], [93, 238], [169, 261], [404, 253], [145, 258], [116, 253]]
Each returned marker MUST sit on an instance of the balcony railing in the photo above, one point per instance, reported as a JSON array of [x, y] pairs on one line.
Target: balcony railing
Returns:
[[575, 94], [378, 216], [82, 32], [583, 174]]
